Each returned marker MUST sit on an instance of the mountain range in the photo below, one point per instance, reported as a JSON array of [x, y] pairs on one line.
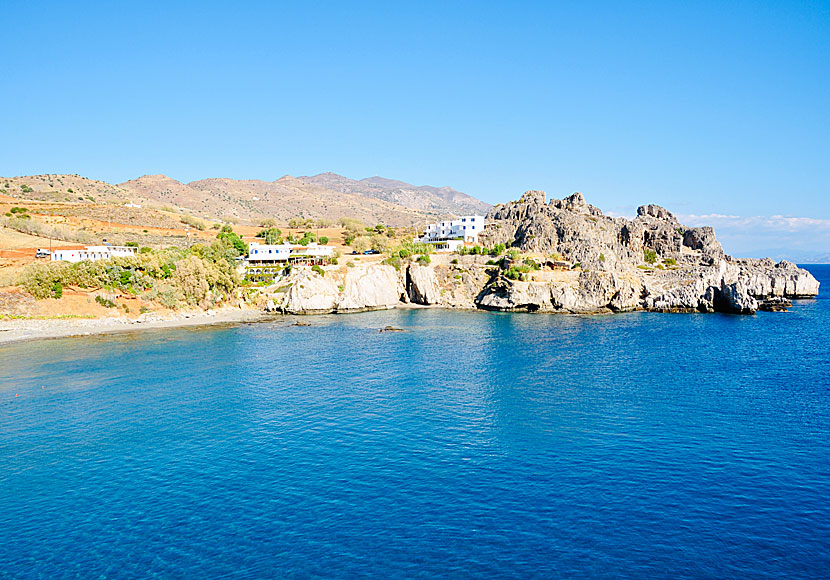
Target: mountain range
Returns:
[[327, 195]]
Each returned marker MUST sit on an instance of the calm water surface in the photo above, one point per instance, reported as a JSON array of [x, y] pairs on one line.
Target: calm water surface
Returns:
[[474, 445]]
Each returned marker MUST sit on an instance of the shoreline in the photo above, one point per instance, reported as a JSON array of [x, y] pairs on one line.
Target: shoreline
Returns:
[[22, 330]]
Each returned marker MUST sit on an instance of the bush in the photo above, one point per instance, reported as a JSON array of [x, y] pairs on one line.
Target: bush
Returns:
[[318, 269], [131, 244], [650, 256], [498, 250], [105, 302], [350, 264], [191, 278], [227, 234], [193, 222], [455, 261], [513, 253], [144, 250], [57, 289], [424, 259], [393, 261], [670, 262], [602, 257], [324, 240]]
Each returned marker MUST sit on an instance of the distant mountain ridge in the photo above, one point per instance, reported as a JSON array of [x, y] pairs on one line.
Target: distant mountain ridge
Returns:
[[327, 195], [419, 197]]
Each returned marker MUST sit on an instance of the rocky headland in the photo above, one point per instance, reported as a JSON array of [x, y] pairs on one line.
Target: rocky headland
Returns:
[[584, 262]]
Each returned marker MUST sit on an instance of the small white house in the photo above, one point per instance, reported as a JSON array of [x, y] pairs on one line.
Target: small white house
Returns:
[[451, 235], [93, 253]]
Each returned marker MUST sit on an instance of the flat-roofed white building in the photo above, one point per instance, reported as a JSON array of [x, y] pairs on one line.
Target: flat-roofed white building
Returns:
[[93, 253], [452, 234], [268, 260]]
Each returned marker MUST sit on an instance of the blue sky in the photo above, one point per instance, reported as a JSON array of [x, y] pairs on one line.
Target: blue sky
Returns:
[[718, 110]]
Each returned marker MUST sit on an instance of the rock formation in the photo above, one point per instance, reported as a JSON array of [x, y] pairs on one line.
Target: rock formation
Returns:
[[592, 263]]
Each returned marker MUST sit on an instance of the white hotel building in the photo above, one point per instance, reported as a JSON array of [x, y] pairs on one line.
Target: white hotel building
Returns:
[[451, 235], [267, 260], [93, 253]]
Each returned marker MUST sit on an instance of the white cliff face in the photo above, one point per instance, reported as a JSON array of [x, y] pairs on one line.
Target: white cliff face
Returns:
[[360, 288], [310, 293], [375, 287], [422, 285]]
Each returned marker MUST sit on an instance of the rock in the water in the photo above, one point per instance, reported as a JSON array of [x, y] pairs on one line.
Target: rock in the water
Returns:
[[391, 329]]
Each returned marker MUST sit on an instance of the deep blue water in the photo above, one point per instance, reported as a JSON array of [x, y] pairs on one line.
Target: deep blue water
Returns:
[[474, 445]]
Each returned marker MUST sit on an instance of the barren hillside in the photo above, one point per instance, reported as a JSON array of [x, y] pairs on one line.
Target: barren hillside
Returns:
[[442, 200]]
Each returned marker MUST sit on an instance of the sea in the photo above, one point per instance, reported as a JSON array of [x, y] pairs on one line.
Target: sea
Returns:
[[468, 445]]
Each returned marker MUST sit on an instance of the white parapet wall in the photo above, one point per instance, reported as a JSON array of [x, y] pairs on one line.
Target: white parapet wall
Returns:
[[93, 253]]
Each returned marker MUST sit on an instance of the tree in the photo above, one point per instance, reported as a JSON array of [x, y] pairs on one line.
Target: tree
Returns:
[[268, 223], [227, 233], [324, 240], [361, 244]]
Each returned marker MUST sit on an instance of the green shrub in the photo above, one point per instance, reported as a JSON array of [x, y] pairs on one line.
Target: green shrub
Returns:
[[105, 302], [350, 264], [144, 250], [650, 256], [57, 289], [498, 250], [455, 261], [602, 257], [324, 240], [670, 262], [424, 259], [513, 253], [131, 244], [318, 269], [393, 261]]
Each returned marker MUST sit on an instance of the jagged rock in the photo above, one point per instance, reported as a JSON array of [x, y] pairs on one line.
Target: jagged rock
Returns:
[[734, 298], [703, 240], [422, 285], [270, 306], [656, 212]]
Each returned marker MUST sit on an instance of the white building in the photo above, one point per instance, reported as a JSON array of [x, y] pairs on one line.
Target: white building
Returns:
[[93, 253], [267, 260], [451, 235]]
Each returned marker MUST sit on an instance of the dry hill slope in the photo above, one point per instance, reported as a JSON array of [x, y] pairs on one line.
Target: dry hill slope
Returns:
[[442, 200]]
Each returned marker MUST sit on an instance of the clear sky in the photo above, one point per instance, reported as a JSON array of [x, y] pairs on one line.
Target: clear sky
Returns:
[[704, 107]]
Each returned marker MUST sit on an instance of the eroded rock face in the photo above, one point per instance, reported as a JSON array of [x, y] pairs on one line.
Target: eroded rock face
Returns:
[[372, 288], [422, 285], [310, 293]]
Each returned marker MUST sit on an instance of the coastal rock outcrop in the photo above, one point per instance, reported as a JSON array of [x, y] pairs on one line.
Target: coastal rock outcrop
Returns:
[[580, 261], [370, 287]]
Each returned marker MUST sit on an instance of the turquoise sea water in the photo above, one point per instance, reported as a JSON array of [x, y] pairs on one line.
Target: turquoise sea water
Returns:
[[473, 445]]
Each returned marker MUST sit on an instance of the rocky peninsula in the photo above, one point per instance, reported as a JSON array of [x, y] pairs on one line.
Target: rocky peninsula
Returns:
[[583, 262]]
